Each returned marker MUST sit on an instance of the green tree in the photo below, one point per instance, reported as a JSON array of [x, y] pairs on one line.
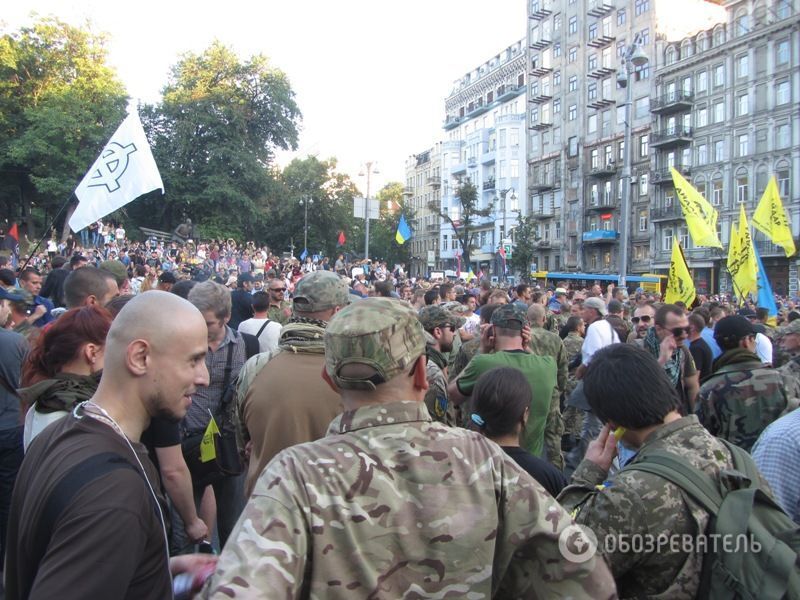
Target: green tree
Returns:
[[59, 104], [463, 228], [382, 242], [214, 136], [526, 237]]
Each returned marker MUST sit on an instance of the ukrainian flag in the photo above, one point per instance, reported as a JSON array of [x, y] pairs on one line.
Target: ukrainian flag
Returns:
[[403, 231]]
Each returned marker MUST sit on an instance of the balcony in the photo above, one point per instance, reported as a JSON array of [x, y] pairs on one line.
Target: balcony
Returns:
[[666, 213], [539, 11], [600, 236], [540, 70], [604, 171], [601, 41], [544, 182], [571, 261], [540, 44], [672, 136], [541, 215], [489, 184], [459, 168], [672, 102], [472, 161], [601, 103], [600, 8], [664, 176], [506, 93], [767, 248], [540, 98], [408, 191], [451, 122], [601, 72], [541, 125], [602, 203], [488, 158], [434, 181], [542, 244]]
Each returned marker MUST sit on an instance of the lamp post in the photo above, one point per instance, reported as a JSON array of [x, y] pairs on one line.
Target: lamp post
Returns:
[[306, 201], [504, 193], [634, 57], [367, 170]]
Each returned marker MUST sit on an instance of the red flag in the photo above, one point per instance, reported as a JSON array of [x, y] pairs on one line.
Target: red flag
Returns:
[[342, 239], [11, 243]]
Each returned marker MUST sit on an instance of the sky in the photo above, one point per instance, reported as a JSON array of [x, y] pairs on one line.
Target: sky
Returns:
[[370, 76]]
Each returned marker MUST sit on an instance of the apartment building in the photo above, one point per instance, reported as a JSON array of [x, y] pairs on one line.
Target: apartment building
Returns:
[[485, 141], [725, 113], [576, 120], [423, 193]]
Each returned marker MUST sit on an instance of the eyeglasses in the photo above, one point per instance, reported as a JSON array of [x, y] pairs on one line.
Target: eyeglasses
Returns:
[[283, 289], [680, 331], [643, 319]]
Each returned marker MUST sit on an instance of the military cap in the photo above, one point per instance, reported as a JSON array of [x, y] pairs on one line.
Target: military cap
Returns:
[[19, 297], [510, 316], [597, 304], [732, 328], [746, 312], [793, 327], [437, 315], [320, 290], [454, 307], [117, 269], [12, 294], [561, 292], [380, 333]]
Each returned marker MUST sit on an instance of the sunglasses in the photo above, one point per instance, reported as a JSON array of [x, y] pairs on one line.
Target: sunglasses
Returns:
[[680, 331], [643, 319], [277, 289]]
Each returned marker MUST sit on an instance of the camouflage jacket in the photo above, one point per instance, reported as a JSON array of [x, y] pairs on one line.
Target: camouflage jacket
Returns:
[[547, 343], [392, 505], [281, 313], [740, 398], [436, 397], [573, 344], [790, 375], [633, 510], [464, 355]]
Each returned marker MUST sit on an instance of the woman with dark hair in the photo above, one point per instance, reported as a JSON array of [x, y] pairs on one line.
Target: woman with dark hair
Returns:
[[500, 406], [63, 368]]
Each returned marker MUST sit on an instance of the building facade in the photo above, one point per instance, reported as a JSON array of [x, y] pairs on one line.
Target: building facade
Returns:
[[423, 193], [726, 112], [485, 142]]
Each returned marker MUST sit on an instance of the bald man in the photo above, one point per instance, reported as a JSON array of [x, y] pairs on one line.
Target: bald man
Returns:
[[87, 517]]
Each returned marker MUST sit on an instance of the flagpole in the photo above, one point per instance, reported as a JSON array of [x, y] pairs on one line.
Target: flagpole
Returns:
[[46, 229]]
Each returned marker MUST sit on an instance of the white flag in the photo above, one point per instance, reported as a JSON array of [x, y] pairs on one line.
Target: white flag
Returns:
[[124, 171]]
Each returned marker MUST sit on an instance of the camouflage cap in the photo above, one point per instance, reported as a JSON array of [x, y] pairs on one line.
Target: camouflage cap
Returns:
[[793, 327], [117, 269], [381, 333], [20, 297], [454, 307], [510, 316], [320, 290], [437, 315]]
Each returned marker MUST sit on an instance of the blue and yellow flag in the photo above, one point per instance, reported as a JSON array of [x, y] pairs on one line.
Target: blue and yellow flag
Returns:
[[403, 231], [766, 299]]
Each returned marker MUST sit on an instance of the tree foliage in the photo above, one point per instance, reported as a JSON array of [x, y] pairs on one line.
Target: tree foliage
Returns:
[[470, 211], [526, 238], [382, 232], [59, 104], [214, 135]]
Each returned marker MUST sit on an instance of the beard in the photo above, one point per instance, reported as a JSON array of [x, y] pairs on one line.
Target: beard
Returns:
[[159, 407]]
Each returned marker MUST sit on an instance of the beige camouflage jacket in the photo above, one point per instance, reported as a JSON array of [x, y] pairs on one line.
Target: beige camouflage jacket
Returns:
[[392, 505]]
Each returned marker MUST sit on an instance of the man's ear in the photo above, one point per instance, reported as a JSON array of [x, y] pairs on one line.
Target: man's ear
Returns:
[[330, 381], [420, 373]]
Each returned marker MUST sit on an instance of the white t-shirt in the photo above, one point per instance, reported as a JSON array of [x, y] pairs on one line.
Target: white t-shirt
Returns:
[[268, 340], [598, 335], [764, 348]]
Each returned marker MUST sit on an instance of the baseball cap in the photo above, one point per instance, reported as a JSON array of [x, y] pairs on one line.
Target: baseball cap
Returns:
[[13, 294], [793, 327], [320, 290], [561, 292], [437, 315], [117, 269], [379, 333], [732, 328], [597, 304], [510, 316]]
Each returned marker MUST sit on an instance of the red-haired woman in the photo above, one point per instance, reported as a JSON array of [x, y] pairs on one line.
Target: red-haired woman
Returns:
[[63, 368]]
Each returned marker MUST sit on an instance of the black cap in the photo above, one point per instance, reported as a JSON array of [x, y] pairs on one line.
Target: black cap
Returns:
[[167, 277], [732, 329], [746, 312]]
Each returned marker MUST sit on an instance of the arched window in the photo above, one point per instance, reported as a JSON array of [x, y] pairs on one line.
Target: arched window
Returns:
[[719, 35], [687, 49], [759, 14], [702, 41], [782, 172], [670, 55], [741, 23], [742, 184], [700, 186], [717, 189], [762, 177]]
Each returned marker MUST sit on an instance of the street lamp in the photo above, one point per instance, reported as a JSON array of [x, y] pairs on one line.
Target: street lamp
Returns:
[[368, 171], [306, 201], [634, 57], [504, 193]]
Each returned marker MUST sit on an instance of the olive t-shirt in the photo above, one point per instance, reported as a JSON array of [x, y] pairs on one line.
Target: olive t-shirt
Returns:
[[541, 373], [107, 541]]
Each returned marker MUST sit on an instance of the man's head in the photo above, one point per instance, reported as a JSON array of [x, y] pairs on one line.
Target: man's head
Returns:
[[470, 302], [626, 387], [643, 319], [276, 288], [593, 309], [735, 332], [508, 321], [575, 324], [8, 298], [320, 295], [89, 285], [119, 271], [245, 282], [524, 293], [441, 324], [696, 326], [447, 292], [790, 341], [260, 303], [383, 288], [432, 297], [214, 303], [672, 320], [615, 308], [375, 348], [31, 281], [497, 297], [166, 280], [78, 261], [155, 352], [536, 315]]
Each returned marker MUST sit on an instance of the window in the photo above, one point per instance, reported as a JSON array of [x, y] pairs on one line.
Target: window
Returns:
[[557, 22], [642, 107], [572, 55], [641, 72], [620, 48], [621, 154], [742, 186], [573, 24], [782, 92], [782, 135], [572, 146], [670, 55], [607, 192], [719, 112], [620, 115], [742, 105], [741, 22], [573, 83], [782, 52], [643, 182], [557, 106], [621, 16], [594, 158], [702, 82], [716, 192], [592, 122], [513, 138], [592, 62], [742, 66], [719, 75], [644, 36], [643, 220], [782, 175], [592, 31], [666, 237], [742, 144], [702, 154], [557, 79], [514, 168], [719, 151], [644, 142], [641, 7], [701, 118], [556, 49], [592, 91], [572, 112]]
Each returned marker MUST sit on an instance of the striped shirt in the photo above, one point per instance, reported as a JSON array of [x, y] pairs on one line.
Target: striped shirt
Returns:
[[777, 454], [208, 398]]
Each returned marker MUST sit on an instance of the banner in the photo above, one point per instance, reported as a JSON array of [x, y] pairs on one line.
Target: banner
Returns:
[[766, 299], [341, 240], [771, 219], [124, 171], [403, 231], [701, 217], [741, 258], [680, 286]]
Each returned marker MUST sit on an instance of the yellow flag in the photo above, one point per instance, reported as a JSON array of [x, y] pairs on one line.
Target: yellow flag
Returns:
[[742, 259], [680, 286], [208, 450], [771, 220], [701, 217]]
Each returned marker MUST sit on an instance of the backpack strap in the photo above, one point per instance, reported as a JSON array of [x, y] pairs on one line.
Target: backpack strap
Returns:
[[264, 326]]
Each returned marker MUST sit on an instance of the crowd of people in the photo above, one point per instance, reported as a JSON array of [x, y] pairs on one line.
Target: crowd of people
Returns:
[[212, 419]]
